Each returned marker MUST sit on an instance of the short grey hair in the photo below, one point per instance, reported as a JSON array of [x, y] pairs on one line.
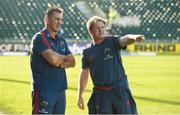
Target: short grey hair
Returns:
[[52, 9]]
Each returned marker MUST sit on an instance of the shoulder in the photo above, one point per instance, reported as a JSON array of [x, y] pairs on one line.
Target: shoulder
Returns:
[[88, 49], [38, 35], [61, 38], [109, 37]]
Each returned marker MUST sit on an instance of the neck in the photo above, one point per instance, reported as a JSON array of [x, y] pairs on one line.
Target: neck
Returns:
[[52, 33], [98, 40]]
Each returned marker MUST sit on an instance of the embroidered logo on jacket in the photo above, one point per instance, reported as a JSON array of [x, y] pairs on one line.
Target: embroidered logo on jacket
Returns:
[[62, 45], [107, 53]]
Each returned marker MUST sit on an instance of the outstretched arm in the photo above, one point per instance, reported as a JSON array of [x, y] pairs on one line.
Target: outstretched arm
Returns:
[[130, 38], [83, 79]]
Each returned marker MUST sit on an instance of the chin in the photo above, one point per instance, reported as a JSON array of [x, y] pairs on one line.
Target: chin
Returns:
[[102, 36], [57, 30]]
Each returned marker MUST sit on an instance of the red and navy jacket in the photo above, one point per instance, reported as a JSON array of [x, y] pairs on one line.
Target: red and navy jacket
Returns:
[[46, 77]]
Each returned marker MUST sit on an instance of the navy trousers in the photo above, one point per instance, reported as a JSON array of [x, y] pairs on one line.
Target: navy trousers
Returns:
[[119, 100], [48, 102]]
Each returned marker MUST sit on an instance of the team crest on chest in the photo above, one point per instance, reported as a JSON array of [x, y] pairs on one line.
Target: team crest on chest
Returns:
[[108, 53], [51, 44], [61, 44], [107, 50]]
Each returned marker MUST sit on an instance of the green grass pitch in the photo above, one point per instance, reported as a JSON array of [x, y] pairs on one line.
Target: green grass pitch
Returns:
[[154, 82]]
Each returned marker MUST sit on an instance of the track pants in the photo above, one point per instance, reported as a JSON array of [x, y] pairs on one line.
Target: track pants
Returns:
[[116, 101], [48, 102]]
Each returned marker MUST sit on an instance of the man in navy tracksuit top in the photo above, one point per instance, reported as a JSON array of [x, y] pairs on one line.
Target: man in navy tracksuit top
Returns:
[[111, 93], [50, 56]]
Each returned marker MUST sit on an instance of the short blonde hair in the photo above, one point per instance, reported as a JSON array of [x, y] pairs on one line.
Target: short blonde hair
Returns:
[[90, 23]]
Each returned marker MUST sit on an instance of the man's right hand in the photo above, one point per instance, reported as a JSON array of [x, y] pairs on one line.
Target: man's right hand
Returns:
[[80, 102], [69, 62], [53, 57]]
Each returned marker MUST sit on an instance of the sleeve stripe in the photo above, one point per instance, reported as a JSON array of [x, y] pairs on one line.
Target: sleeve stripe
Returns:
[[44, 40]]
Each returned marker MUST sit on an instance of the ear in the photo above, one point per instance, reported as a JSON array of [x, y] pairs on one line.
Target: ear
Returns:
[[91, 31], [46, 20]]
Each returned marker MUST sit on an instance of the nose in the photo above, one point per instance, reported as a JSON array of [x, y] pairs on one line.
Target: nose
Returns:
[[59, 21]]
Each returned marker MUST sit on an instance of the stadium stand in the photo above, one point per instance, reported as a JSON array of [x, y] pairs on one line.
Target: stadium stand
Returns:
[[157, 19], [160, 19]]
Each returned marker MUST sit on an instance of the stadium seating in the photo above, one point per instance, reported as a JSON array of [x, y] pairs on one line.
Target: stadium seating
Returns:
[[21, 19], [159, 18]]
